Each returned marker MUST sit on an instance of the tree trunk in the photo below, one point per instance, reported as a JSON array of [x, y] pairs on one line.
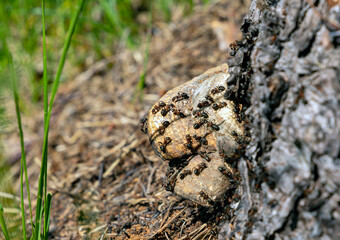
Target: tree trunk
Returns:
[[290, 59]]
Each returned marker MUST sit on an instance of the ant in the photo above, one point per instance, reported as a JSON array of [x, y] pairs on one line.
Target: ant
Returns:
[[205, 156], [203, 104], [158, 107], [142, 126], [233, 47], [206, 197], [161, 104], [197, 125], [218, 89], [170, 172], [204, 141], [185, 173], [200, 168], [209, 98], [165, 124], [201, 140], [180, 97], [200, 113], [236, 108], [161, 130], [189, 141], [170, 186], [165, 143], [224, 172], [213, 126], [178, 112], [217, 106], [198, 138], [167, 109]]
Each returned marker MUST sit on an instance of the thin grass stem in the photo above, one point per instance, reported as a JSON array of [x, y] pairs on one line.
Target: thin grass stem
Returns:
[[45, 102], [47, 209], [3, 223], [43, 170], [142, 77], [21, 133]]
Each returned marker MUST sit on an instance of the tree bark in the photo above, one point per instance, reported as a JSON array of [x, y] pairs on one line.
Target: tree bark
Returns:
[[290, 59]]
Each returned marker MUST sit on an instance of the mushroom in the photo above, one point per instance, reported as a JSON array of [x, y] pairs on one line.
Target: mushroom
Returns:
[[195, 128]]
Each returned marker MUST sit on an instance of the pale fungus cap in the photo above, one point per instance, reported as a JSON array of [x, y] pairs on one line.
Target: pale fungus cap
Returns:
[[195, 124]]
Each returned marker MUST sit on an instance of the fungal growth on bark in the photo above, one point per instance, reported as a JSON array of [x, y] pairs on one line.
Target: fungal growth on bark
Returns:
[[199, 130]]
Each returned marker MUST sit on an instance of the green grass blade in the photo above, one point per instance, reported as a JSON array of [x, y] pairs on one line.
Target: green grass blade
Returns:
[[110, 9], [142, 77], [45, 98], [23, 154], [3, 223], [47, 214], [44, 61], [42, 181]]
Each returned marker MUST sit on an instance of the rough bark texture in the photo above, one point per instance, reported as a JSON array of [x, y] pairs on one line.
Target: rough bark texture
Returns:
[[291, 168]]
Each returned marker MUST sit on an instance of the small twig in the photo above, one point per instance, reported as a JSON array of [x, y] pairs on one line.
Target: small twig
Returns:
[[198, 230], [144, 191], [166, 215], [182, 228], [125, 151], [153, 170], [166, 235], [198, 236], [167, 224], [100, 175]]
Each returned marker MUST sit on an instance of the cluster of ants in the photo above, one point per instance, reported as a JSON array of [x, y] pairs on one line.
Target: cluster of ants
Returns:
[[200, 113], [238, 91], [202, 117]]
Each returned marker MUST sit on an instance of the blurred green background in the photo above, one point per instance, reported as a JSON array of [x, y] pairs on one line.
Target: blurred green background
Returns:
[[103, 24], [104, 28]]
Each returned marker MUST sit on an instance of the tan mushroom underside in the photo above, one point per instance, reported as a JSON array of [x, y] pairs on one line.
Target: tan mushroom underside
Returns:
[[211, 181]]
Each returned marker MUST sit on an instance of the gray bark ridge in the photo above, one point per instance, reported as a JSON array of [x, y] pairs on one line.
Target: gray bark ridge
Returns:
[[291, 168]]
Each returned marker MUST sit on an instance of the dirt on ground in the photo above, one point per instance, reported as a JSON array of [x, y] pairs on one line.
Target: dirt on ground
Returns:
[[105, 178]]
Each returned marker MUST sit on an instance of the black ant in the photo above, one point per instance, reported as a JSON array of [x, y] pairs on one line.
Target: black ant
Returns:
[[217, 106], [161, 104], [209, 98], [200, 113], [142, 126], [197, 125], [180, 97], [179, 113], [165, 143], [158, 107], [170, 186], [198, 138], [161, 130], [185, 173], [204, 141], [189, 142], [206, 197], [205, 156], [224, 172], [170, 172], [166, 124], [218, 89], [167, 109], [213, 126], [203, 104], [200, 168], [234, 134]]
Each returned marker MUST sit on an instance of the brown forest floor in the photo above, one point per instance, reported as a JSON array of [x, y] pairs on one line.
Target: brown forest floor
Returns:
[[105, 178]]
